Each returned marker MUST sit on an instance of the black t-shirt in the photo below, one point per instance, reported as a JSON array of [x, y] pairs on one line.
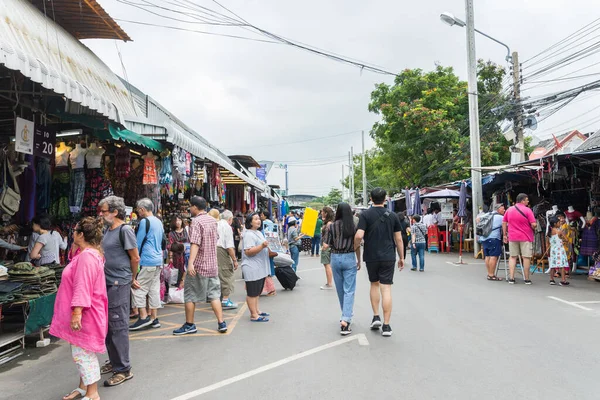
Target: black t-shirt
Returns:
[[379, 240]]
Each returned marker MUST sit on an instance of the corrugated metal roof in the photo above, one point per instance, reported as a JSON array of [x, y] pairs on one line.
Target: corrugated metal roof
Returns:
[[47, 54], [592, 143], [82, 19]]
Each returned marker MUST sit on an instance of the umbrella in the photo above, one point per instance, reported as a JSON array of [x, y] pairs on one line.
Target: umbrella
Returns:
[[462, 200], [443, 194], [409, 207], [417, 209]]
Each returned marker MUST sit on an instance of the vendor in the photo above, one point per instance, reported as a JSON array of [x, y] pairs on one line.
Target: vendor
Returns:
[[48, 244], [9, 246]]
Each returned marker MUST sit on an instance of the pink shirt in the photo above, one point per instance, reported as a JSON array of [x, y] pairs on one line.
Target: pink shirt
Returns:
[[83, 285], [519, 226]]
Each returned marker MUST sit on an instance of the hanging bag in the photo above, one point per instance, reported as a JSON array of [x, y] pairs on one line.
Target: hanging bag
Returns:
[[10, 199]]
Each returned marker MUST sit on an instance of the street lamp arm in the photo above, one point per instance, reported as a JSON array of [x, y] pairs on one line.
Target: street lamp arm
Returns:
[[508, 56]]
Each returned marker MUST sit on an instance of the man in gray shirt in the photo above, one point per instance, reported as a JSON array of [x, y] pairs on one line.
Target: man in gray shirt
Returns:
[[122, 261]]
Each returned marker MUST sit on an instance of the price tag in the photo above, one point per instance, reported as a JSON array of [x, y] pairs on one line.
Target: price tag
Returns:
[[44, 141]]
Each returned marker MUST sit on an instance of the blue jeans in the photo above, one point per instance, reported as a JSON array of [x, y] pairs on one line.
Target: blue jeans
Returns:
[[295, 253], [344, 276], [316, 243], [413, 253]]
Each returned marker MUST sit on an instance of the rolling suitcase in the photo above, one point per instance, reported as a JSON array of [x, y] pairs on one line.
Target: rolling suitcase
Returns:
[[287, 277]]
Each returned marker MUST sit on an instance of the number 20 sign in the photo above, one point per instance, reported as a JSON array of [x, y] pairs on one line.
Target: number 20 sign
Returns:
[[44, 142]]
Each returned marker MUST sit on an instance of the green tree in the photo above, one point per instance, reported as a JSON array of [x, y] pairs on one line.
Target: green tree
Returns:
[[423, 135], [333, 198]]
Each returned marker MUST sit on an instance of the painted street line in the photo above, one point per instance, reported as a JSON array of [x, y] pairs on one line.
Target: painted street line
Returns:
[[572, 304], [361, 338], [587, 302]]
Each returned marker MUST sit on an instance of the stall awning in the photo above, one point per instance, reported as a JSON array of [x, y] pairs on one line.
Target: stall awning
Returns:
[[47, 54], [131, 137]]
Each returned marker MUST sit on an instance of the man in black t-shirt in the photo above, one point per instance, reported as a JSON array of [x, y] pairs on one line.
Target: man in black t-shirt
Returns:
[[382, 234]]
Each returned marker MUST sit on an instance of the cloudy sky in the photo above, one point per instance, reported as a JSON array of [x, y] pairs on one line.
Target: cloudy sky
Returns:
[[279, 103]]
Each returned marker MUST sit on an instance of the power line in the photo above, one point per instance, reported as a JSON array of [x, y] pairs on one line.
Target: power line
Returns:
[[303, 140]]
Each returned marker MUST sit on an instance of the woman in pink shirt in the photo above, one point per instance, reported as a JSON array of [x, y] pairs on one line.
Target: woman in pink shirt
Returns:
[[81, 307]]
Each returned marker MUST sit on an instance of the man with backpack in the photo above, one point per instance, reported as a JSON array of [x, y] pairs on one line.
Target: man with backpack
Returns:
[[489, 230], [121, 265], [150, 237], [517, 227]]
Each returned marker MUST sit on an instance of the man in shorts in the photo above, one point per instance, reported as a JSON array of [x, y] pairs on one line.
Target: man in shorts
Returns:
[[382, 234], [201, 280], [518, 226], [492, 244]]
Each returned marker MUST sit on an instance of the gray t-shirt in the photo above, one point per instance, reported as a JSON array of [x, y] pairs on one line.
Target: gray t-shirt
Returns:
[[117, 267], [257, 266], [50, 252]]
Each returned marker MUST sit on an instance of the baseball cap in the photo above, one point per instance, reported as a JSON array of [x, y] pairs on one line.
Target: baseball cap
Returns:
[[498, 206], [292, 219]]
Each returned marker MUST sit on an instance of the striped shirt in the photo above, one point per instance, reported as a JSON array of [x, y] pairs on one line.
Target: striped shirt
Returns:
[[336, 241]]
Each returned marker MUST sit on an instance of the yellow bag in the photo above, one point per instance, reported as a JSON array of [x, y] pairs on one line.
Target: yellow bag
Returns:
[[309, 222]]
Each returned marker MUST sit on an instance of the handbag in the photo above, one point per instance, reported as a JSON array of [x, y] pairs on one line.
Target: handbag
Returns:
[[10, 199]]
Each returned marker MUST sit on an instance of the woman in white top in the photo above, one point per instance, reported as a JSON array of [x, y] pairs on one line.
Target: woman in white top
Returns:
[[49, 242]]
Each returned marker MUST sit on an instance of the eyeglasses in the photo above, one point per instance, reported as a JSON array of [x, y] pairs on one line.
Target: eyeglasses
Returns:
[[104, 211]]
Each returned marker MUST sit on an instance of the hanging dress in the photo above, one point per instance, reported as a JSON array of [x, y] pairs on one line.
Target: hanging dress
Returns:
[[150, 175]]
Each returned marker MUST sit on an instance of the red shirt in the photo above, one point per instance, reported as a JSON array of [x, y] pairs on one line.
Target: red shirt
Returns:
[[203, 232]]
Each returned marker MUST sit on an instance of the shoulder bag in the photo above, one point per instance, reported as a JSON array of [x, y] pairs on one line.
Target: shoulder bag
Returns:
[[10, 199]]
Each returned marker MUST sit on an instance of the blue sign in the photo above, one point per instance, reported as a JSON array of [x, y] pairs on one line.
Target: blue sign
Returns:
[[261, 173]]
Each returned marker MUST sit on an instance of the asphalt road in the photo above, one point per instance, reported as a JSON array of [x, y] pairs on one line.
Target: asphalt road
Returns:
[[456, 336]]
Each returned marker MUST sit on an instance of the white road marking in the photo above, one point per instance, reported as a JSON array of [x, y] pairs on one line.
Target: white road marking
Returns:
[[570, 303], [361, 338], [587, 302]]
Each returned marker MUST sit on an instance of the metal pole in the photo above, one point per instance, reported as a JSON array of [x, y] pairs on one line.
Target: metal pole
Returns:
[[349, 179], [477, 195], [352, 175], [286, 180], [343, 187], [364, 173], [518, 121]]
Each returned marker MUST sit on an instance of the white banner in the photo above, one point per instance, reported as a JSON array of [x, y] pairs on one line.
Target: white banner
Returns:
[[24, 133]]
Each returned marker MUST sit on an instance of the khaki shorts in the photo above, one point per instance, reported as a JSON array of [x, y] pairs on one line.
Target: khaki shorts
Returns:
[[149, 280], [523, 249], [201, 289]]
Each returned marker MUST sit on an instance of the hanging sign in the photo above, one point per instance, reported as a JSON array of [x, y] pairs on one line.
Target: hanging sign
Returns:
[[261, 173], [44, 142], [24, 136]]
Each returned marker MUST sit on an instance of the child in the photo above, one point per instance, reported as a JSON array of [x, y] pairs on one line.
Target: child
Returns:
[[558, 255]]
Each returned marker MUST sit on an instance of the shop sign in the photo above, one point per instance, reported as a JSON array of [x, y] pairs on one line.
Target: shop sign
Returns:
[[44, 142], [447, 211], [24, 136], [261, 173]]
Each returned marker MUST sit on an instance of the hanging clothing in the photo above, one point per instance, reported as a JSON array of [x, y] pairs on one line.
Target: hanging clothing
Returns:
[[43, 185], [166, 173], [150, 177], [96, 188], [589, 238], [27, 185], [135, 190], [61, 188], [122, 162], [77, 189]]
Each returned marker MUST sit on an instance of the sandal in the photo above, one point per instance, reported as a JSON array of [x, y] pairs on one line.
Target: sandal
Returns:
[[260, 319], [264, 314], [118, 378], [493, 278], [80, 393], [106, 368], [90, 398]]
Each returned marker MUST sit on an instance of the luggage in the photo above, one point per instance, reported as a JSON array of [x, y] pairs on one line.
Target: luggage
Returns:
[[287, 277]]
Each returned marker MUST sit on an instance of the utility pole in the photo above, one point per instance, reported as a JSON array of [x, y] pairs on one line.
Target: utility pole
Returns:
[[364, 173], [477, 195], [286, 180], [350, 195], [518, 120], [352, 175], [343, 187]]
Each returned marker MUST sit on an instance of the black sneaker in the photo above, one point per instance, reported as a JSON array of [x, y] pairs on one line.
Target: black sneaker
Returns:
[[222, 327], [511, 281], [552, 282], [141, 324], [565, 283], [155, 323], [527, 282], [386, 330], [345, 330], [376, 323]]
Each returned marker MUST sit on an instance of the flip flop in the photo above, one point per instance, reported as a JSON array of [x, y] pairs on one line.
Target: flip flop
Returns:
[[78, 390], [260, 319], [264, 314]]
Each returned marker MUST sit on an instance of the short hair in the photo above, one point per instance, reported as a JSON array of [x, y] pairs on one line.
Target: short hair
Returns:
[[417, 218], [266, 214], [114, 203], [521, 197], [248, 222], [214, 213], [378, 195], [146, 204], [226, 215], [199, 202], [43, 220]]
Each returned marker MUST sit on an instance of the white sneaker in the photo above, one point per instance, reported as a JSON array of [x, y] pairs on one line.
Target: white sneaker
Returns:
[[326, 287]]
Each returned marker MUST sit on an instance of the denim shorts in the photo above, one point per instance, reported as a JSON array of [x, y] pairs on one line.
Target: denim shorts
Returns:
[[492, 248]]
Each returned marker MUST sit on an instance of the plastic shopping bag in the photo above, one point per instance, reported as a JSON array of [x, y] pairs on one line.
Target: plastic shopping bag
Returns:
[[175, 296]]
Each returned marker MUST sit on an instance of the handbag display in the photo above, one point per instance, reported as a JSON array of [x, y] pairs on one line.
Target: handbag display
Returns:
[[10, 199]]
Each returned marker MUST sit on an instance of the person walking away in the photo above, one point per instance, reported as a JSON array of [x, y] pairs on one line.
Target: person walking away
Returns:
[[328, 217], [316, 239], [492, 244], [147, 282], [517, 227], [201, 281], [404, 226], [268, 225], [255, 266], [236, 227], [558, 256], [179, 238], [48, 243], [226, 259], [120, 244], [345, 262], [81, 307], [418, 236], [383, 239], [294, 238]]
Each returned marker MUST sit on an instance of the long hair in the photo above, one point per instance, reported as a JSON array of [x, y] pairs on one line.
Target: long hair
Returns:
[[329, 215], [344, 214]]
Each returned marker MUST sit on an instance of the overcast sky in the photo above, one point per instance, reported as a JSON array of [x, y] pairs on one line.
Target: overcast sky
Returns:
[[256, 98]]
